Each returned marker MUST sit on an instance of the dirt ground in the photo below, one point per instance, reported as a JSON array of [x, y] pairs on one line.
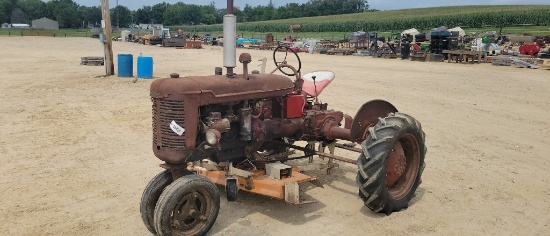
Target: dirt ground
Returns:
[[75, 148]]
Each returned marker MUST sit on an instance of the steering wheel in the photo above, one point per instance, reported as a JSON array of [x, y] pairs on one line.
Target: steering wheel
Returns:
[[286, 50]]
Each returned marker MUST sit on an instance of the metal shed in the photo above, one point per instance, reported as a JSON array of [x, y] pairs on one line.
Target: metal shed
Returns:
[[45, 23]]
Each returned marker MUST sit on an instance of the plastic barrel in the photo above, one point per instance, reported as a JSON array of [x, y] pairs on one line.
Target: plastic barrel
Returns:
[[125, 65], [145, 67]]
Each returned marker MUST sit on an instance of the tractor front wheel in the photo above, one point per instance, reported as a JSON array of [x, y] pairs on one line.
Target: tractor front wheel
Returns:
[[391, 164], [150, 196], [188, 206]]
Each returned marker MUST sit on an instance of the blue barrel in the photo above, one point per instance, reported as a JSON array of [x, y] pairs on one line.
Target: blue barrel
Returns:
[[145, 67], [125, 65]]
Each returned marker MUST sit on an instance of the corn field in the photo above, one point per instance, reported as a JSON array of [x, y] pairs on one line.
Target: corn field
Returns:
[[424, 18]]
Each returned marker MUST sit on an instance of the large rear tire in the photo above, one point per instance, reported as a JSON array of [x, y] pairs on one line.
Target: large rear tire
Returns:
[[188, 206], [150, 196], [392, 162]]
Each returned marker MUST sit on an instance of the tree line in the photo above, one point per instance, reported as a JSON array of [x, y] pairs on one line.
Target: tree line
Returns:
[[72, 15]]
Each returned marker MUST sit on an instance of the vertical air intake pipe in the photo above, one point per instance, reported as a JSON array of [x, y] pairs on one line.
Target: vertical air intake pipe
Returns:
[[229, 39]]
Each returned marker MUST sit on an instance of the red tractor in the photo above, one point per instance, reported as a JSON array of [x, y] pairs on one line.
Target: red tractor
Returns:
[[239, 130]]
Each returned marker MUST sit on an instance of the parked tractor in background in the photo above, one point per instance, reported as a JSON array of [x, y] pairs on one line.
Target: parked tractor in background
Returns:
[[239, 130]]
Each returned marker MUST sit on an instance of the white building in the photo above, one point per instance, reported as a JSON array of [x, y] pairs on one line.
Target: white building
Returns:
[[151, 26], [20, 26]]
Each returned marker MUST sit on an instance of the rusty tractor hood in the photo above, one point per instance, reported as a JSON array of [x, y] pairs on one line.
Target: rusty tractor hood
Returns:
[[219, 88]]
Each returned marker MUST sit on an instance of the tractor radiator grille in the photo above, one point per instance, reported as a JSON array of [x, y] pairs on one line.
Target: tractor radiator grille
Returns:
[[164, 112]]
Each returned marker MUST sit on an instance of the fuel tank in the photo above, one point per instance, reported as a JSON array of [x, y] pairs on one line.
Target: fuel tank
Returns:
[[220, 88]]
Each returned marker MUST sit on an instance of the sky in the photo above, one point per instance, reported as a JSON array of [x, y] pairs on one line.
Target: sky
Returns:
[[374, 4]]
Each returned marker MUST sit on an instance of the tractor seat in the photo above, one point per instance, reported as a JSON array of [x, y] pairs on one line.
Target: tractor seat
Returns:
[[322, 80]]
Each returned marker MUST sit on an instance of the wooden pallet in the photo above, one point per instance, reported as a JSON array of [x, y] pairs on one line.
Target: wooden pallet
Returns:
[[463, 56], [92, 61], [385, 54], [193, 44], [173, 42], [419, 56], [545, 64], [267, 46], [343, 51]]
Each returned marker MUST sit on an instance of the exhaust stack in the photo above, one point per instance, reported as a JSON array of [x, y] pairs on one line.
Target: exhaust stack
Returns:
[[229, 39]]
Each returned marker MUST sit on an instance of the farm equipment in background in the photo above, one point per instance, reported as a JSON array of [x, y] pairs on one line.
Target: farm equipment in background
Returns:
[[529, 49], [240, 131], [156, 36], [172, 41], [439, 41]]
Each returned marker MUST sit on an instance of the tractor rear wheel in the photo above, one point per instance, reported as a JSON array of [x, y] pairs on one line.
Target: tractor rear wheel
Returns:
[[391, 164], [150, 196], [188, 206]]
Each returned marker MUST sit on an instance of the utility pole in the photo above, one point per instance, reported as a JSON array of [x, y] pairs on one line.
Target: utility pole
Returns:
[[108, 45], [117, 16]]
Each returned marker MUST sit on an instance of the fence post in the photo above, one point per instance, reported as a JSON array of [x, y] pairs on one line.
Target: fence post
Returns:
[[65, 35]]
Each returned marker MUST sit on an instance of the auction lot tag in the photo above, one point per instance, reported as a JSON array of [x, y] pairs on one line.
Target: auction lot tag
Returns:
[[176, 128]]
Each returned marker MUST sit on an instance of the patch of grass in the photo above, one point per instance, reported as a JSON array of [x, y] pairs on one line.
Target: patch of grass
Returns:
[[54, 33], [50, 33]]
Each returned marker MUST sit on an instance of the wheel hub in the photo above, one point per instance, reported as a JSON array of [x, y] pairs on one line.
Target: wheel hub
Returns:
[[191, 211], [397, 164]]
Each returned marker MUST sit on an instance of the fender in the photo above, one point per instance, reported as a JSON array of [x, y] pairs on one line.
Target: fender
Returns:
[[367, 116]]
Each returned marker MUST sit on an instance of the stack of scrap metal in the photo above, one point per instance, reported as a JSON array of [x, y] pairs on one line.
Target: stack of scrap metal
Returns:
[[364, 53], [343, 51], [193, 44], [525, 62], [501, 61], [173, 42], [387, 51]]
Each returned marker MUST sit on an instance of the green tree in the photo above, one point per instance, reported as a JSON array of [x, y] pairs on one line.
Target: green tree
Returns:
[[143, 15], [192, 15], [90, 15], [18, 16], [174, 14], [6, 8], [291, 10], [34, 9], [65, 12], [269, 11], [236, 11], [334, 7], [157, 13], [121, 16], [209, 14]]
